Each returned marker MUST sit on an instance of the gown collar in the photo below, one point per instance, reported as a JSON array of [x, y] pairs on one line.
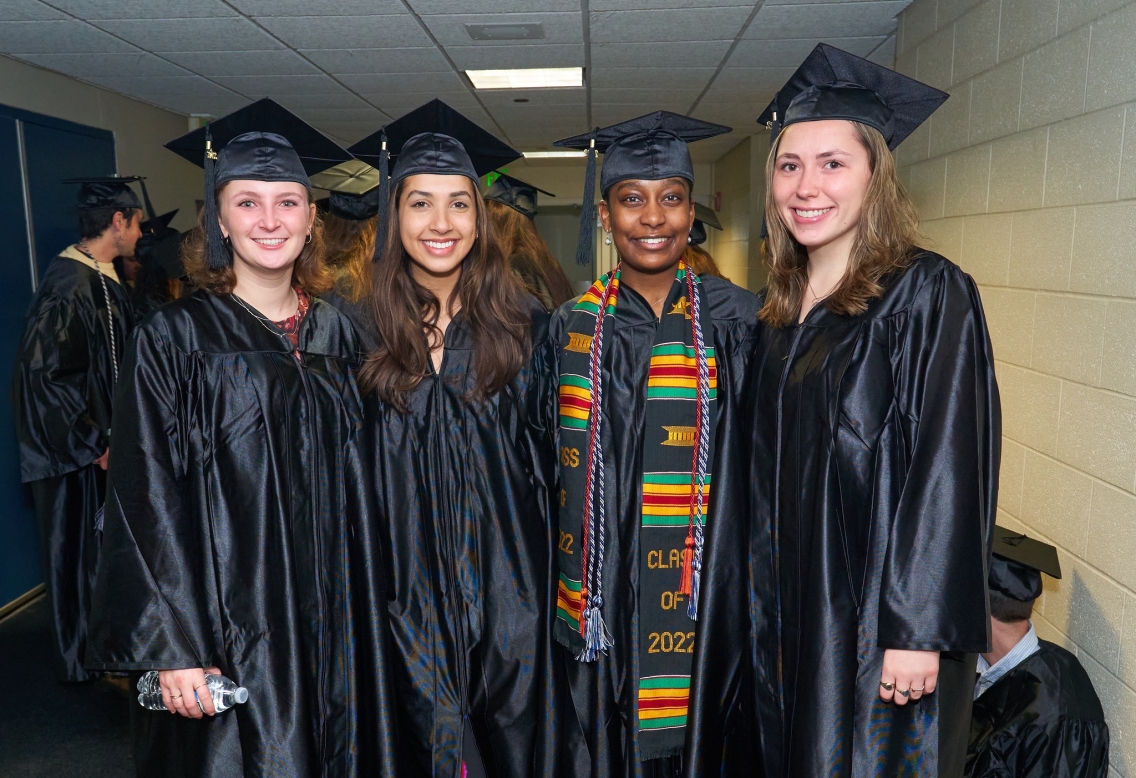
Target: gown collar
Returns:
[[988, 674]]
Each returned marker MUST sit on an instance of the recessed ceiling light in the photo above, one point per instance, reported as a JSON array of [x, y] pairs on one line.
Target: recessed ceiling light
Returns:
[[527, 78], [554, 154]]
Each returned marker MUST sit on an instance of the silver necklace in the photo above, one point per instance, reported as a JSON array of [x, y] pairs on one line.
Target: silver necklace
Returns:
[[817, 298], [110, 316], [265, 322]]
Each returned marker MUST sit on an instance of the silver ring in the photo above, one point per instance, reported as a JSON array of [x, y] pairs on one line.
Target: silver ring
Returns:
[[918, 689], [904, 692], [887, 687]]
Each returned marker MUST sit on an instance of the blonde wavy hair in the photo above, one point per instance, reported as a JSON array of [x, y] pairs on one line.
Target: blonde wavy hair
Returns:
[[886, 241]]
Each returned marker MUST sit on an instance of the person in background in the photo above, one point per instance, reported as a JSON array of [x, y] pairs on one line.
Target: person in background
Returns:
[[150, 283], [63, 385], [240, 512], [463, 465], [695, 256], [512, 206], [874, 456], [1036, 714], [650, 364], [349, 225]]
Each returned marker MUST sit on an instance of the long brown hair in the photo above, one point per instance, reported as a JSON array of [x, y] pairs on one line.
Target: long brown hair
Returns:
[[350, 249], [528, 254], [310, 272], [406, 315], [701, 261], [885, 241]]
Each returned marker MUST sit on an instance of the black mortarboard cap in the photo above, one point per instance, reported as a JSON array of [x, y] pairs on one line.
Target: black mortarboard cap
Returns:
[[1017, 565], [435, 139], [650, 147], [261, 142], [106, 192], [704, 216], [355, 208], [833, 84], [353, 177], [519, 195]]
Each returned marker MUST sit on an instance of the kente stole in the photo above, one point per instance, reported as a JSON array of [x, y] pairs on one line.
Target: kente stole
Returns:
[[678, 449]]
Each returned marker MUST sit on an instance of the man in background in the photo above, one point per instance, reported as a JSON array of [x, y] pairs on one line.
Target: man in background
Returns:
[[62, 390]]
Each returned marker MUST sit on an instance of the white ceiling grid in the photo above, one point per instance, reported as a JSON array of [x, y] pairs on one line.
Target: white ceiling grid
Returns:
[[348, 66]]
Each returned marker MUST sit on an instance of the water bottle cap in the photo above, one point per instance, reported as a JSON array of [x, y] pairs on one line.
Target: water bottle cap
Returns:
[[241, 695]]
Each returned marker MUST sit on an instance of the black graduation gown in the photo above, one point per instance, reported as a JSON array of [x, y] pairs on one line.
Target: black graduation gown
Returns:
[[876, 443], [465, 495], [240, 528], [600, 733], [1042, 719], [62, 389]]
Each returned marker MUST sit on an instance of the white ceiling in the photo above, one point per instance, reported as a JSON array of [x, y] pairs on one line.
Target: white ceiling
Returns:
[[349, 66]]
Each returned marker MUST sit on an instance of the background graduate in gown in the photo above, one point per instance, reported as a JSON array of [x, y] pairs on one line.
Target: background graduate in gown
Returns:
[[62, 388], [240, 510], [649, 367], [876, 431], [1036, 713], [462, 463]]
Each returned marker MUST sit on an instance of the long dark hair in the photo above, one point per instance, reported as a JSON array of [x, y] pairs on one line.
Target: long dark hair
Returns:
[[406, 316]]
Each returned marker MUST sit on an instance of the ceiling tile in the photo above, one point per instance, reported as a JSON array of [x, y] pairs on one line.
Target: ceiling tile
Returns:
[[402, 83], [342, 100], [171, 86], [135, 64], [651, 5], [342, 116], [347, 32], [677, 24], [532, 97], [791, 52], [318, 7], [63, 37], [367, 61], [160, 35], [748, 80], [433, 7], [279, 62], [535, 55], [641, 96], [397, 105], [825, 20], [143, 9], [550, 115], [632, 55], [647, 78], [273, 86], [558, 27], [27, 11], [216, 106]]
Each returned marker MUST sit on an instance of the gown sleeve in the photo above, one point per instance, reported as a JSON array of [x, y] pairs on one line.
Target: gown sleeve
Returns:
[[933, 589], [60, 429], [150, 608], [1065, 748]]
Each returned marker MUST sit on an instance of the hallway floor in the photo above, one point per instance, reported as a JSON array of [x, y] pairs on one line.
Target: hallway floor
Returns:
[[48, 729]]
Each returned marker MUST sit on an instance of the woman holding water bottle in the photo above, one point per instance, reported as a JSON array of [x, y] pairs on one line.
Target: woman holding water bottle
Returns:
[[239, 503]]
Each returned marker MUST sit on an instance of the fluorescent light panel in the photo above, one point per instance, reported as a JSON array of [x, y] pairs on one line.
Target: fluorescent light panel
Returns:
[[527, 78], [554, 154]]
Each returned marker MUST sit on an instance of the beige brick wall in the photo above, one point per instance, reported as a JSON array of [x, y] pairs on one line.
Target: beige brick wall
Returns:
[[1027, 179]]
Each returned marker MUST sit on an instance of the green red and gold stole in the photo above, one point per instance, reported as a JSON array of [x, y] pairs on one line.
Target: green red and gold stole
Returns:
[[678, 449]]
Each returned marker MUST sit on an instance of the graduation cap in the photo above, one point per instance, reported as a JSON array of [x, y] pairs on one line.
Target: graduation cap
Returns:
[[833, 84], [354, 208], [352, 177], [1017, 565], [517, 194], [156, 225], [704, 216], [260, 142], [106, 192], [651, 147], [435, 139]]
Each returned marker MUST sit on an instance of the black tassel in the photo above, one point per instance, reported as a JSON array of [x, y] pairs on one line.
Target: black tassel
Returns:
[[585, 247], [384, 200], [217, 256], [774, 128]]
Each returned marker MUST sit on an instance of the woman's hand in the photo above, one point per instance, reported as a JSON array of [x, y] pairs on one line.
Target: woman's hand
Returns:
[[178, 687], [908, 675]]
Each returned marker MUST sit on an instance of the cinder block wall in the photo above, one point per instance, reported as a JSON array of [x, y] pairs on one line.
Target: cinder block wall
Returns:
[[1027, 179]]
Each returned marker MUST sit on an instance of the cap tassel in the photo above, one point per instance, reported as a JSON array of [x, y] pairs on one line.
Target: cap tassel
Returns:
[[384, 200], [217, 257], [584, 247]]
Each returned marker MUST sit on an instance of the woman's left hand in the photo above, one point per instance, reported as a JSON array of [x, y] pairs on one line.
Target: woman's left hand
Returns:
[[908, 675]]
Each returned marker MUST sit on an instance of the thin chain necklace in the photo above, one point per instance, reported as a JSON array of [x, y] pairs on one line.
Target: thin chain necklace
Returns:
[[110, 316], [265, 322], [816, 297]]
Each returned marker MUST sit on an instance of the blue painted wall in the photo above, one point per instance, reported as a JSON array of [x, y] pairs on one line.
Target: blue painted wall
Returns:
[[54, 150]]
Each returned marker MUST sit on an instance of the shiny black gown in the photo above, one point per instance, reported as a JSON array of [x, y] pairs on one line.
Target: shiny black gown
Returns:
[[598, 720], [62, 389], [874, 482], [240, 532], [465, 495], [1043, 719]]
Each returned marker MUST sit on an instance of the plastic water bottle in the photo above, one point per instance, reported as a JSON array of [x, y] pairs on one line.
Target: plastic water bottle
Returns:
[[225, 693]]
